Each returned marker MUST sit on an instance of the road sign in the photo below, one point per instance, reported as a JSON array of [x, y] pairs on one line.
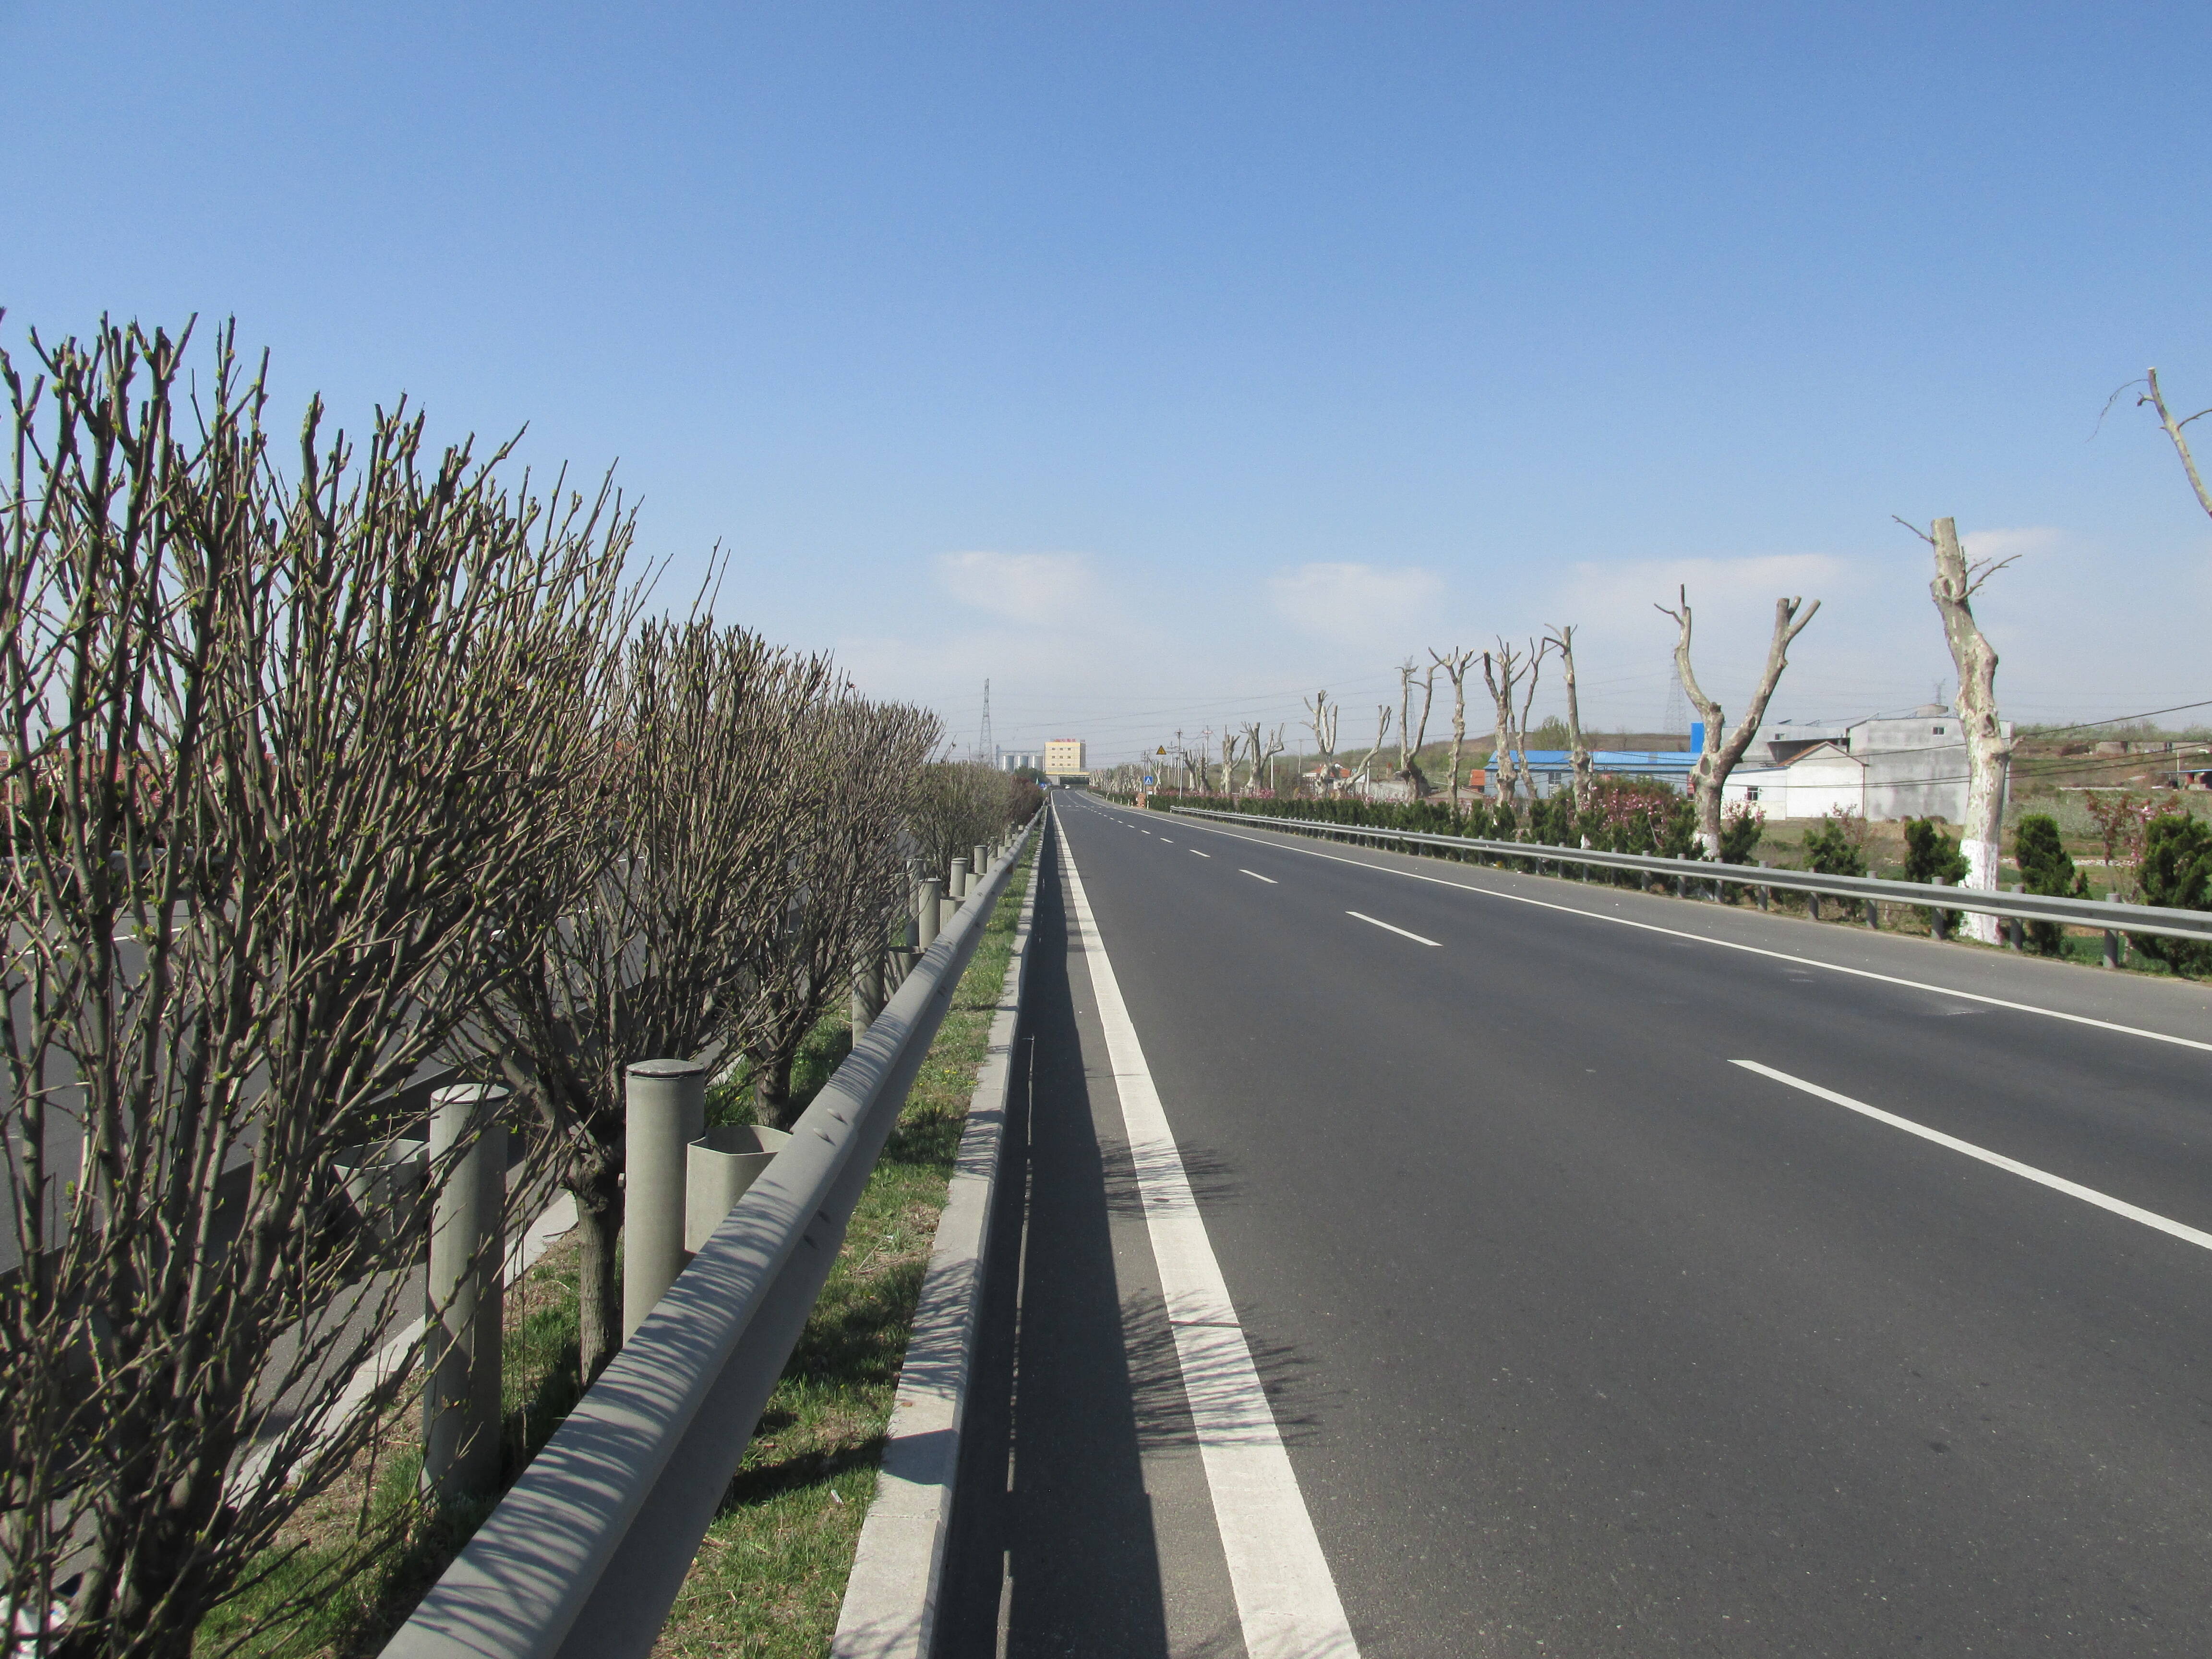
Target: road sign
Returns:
[[1148, 780]]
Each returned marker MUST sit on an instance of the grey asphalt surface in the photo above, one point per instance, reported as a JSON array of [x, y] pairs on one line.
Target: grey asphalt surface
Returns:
[[1583, 1340]]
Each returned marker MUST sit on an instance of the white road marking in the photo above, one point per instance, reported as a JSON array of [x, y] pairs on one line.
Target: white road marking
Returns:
[[1289, 846], [1286, 1599], [1387, 928], [1257, 876], [2027, 1171], [1170, 842], [1196, 854]]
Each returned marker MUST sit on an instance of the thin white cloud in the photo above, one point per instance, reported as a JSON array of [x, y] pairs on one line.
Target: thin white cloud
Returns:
[[1354, 602], [1037, 589], [2024, 543]]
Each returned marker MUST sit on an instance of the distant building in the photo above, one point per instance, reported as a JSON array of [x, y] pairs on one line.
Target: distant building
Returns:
[[1019, 760], [1066, 757], [1912, 766], [1552, 770]]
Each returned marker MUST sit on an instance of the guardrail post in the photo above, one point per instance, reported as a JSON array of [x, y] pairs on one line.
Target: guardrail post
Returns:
[[1812, 906], [2015, 927], [956, 883], [1873, 915], [720, 1167], [928, 912], [1939, 919], [898, 957], [983, 861], [663, 1111], [2112, 937], [460, 1398]]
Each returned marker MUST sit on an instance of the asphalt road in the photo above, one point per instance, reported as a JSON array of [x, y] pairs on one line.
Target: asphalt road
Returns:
[[1582, 1337]]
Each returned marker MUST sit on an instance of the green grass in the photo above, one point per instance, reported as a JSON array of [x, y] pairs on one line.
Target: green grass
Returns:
[[770, 1575], [355, 1559]]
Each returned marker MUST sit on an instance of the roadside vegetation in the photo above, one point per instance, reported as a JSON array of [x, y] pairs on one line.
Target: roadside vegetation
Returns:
[[328, 759]]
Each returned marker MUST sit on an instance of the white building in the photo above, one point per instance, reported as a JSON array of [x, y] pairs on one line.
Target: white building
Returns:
[[1912, 766], [1016, 760]]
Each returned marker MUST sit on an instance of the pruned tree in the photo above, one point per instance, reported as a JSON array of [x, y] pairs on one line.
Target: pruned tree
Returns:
[[1228, 761], [851, 786], [283, 755], [1409, 750], [1321, 719], [1502, 669], [1455, 663], [1365, 768], [1562, 640], [1262, 752], [698, 826], [2174, 429], [1989, 745], [1709, 772], [955, 805]]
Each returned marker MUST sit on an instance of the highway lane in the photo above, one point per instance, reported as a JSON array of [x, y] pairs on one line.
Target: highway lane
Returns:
[[1586, 1340]]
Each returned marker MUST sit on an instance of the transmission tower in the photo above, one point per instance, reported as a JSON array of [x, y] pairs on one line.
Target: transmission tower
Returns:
[[986, 744], [1677, 717]]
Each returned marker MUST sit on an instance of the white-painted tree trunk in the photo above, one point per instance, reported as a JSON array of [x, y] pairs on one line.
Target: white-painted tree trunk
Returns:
[[1988, 750]]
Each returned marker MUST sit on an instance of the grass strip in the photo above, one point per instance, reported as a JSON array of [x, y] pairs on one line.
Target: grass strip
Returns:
[[769, 1577], [771, 1574]]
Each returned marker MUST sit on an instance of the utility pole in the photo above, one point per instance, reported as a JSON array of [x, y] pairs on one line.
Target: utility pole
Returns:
[[986, 743]]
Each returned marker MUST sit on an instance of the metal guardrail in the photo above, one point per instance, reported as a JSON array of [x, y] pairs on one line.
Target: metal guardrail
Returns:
[[2100, 913], [583, 1557]]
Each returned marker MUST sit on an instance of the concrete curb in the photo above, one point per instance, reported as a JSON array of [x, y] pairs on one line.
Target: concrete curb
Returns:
[[890, 1599]]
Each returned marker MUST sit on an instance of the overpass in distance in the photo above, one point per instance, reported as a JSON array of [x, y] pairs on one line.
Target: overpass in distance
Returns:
[[1400, 1257]]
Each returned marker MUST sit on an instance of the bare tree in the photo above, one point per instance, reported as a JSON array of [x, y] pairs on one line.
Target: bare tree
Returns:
[[1365, 768], [1562, 640], [1988, 746], [1709, 772], [1262, 752], [1409, 749], [1321, 719], [956, 804], [652, 963], [1228, 761], [850, 789], [2156, 399], [283, 755], [1455, 663], [1502, 670]]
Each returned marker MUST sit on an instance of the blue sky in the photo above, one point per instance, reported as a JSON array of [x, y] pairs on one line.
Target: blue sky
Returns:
[[1159, 362]]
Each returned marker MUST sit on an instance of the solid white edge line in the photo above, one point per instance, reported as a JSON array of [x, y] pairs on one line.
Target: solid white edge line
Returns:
[[1997, 1160], [1387, 928], [1257, 876], [1290, 845], [1286, 1598]]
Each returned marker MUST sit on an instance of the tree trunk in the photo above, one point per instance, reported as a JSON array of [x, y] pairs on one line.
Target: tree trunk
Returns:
[[1988, 750], [1459, 747], [772, 1103], [598, 1196], [1709, 773], [1578, 758]]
